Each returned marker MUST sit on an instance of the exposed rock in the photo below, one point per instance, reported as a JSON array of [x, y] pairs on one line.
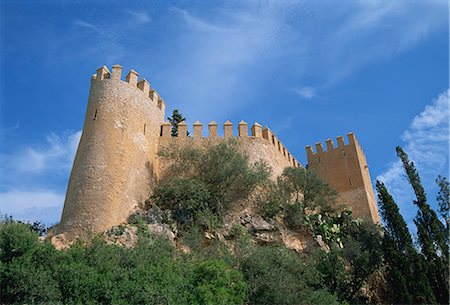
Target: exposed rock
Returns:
[[162, 230], [60, 241], [220, 236], [266, 237], [256, 223], [209, 235], [293, 241], [322, 244], [122, 235], [183, 248], [154, 215]]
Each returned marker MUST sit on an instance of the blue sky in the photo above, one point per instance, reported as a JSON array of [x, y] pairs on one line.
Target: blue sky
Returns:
[[310, 70]]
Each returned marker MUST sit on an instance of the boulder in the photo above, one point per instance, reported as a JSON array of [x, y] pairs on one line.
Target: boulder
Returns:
[[60, 241], [154, 215], [122, 235], [259, 224], [162, 230]]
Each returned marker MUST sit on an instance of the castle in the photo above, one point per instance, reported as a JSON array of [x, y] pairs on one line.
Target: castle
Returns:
[[117, 166]]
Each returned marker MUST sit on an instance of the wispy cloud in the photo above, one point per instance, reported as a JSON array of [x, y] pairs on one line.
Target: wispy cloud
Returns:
[[241, 48], [33, 179], [56, 154], [306, 92], [426, 142], [373, 31], [28, 205], [140, 17], [85, 24]]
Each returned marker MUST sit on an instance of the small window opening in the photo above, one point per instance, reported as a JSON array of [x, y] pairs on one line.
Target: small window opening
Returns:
[[95, 115], [349, 181], [318, 158], [343, 153], [145, 126]]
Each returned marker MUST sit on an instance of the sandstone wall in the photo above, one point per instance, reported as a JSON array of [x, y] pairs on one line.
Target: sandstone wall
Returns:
[[114, 169], [345, 168]]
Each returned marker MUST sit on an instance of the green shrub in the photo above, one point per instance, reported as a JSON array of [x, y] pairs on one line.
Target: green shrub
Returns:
[[346, 269], [201, 185], [188, 199], [140, 222], [305, 186], [270, 201], [214, 282], [27, 266], [294, 216], [207, 219], [278, 276]]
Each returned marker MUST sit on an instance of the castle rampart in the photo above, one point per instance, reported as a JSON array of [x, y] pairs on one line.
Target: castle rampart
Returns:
[[345, 168], [117, 165], [261, 144]]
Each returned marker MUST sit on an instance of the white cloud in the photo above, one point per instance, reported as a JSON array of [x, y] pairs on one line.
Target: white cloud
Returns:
[[57, 153], [85, 24], [34, 178], [19, 203], [427, 144], [306, 92], [140, 17]]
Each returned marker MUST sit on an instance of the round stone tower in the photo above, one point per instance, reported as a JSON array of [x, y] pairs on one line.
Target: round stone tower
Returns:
[[116, 162]]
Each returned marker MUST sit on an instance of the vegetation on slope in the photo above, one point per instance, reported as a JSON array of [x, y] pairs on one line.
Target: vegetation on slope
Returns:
[[355, 265]]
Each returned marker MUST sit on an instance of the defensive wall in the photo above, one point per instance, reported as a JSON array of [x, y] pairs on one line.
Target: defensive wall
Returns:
[[260, 144], [345, 168], [117, 166]]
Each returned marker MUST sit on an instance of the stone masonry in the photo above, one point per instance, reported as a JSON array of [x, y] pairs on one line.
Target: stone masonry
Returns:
[[345, 168], [116, 165]]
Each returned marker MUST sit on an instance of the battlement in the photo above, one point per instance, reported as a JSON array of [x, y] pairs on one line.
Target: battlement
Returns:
[[256, 132], [330, 145], [131, 78]]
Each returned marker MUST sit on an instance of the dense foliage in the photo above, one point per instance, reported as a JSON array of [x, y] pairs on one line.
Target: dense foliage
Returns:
[[154, 272], [203, 184]]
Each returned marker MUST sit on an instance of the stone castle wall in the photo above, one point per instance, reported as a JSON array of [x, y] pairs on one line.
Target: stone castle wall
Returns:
[[260, 145], [345, 168], [116, 159], [117, 166]]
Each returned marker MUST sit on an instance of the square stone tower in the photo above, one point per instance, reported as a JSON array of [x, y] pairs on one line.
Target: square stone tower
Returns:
[[345, 168]]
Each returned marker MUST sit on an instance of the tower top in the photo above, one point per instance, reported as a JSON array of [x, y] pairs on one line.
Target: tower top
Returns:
[[344, 167]]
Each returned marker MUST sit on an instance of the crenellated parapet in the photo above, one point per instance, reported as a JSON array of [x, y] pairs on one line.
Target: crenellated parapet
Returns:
[[345, 168], [132, 78], [330, 147], [257, 132]]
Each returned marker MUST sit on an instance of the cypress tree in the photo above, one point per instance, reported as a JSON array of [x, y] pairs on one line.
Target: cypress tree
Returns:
[[407, 278], [431, 233], [176, 118], [443, 198]]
